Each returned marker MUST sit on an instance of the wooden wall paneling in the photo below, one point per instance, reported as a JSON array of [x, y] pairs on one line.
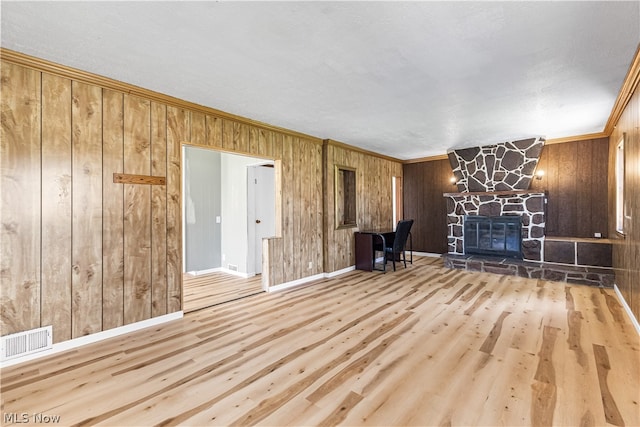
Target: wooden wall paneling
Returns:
[[87, 207], [327, 193], [240, 137], [56, 205], [414, 201], [626, 249], [137, 213], [198, 128], [409, 185], [158, 210], [439, 208], [265, 143], [568, 155], [20, 210], [177, 128], [279, 182], [633, 185], [227, 134], [300, 246], [367, 193], [214, 131], [288, 178], [274, 270], [318, 209], [254, 140], [374, 200], [577, 189], [424, 184], [582, 189], [113, 210], [599, 211], [549, 162]]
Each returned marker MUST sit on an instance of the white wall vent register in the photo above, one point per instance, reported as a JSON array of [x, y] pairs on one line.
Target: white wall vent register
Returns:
[[27, 342]]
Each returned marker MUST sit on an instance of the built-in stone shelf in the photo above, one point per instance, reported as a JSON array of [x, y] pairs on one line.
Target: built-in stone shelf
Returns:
[[584, 275]]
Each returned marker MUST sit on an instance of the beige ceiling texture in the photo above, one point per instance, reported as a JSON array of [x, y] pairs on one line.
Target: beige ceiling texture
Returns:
[[404, 79]]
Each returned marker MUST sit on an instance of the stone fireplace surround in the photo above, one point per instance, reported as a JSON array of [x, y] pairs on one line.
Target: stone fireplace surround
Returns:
[[529, 206], [494, 181]]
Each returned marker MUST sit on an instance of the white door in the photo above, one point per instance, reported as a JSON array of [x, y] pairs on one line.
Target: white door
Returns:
[[265, 209]]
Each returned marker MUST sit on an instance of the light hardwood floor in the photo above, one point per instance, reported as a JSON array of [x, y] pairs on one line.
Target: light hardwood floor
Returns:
[[207, 290], [421, 346]]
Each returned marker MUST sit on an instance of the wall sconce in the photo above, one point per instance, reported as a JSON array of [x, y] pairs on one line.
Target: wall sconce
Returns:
[[452, 180], [539, 174]]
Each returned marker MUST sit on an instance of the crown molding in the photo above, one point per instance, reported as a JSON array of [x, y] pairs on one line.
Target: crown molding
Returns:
[[427, 159], [575, 138], [75, 74], [360, 150], [629, 86]]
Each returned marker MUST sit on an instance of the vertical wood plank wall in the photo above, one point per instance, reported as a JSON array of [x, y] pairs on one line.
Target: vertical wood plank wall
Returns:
[[20, 279], [575, 180], [84, 254], [626, 251], [424, 184], [374, 204]]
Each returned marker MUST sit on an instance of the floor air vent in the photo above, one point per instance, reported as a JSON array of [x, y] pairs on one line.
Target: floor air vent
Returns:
[[23, 343]]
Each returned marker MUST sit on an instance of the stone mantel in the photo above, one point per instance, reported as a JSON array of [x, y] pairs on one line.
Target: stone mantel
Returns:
[[493, 193]]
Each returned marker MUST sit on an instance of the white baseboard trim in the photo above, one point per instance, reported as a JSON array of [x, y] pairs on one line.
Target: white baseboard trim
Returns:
[[93, 338], [339, 272], [207, 271], [633, 319], [221, 270], [237, 273], [333, 274], [296, 282]]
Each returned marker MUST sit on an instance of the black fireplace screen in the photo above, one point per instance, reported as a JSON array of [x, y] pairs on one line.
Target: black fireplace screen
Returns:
[[497, 235]]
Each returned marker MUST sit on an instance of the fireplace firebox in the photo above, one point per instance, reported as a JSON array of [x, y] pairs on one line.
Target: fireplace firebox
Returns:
[[493, 235]]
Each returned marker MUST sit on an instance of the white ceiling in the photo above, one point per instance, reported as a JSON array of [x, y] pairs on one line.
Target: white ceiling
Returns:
[[405, 79]]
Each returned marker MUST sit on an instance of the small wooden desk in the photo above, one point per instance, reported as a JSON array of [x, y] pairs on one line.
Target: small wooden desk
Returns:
[[366, 241]]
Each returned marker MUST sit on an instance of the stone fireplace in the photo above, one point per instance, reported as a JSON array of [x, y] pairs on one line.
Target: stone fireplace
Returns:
[[493, 235], [493, 181], [529, 206]]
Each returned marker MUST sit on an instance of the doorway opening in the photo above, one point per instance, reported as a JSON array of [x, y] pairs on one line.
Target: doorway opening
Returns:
[[220, 229]]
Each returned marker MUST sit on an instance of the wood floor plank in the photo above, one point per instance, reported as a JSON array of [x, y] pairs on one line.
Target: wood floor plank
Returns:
[[420, 346]]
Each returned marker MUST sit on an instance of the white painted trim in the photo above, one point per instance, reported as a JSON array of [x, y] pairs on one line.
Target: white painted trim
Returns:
[[98, 336], [330, 275], [633, 319], [236, 273], [339, 272], [207, 271], [295, 282]]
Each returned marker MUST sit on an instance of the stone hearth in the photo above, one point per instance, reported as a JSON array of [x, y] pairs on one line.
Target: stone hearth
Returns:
[[584, 275]]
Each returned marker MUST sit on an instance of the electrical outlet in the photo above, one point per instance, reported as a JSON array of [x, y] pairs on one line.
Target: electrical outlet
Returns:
[[598, 235], [310, 265]]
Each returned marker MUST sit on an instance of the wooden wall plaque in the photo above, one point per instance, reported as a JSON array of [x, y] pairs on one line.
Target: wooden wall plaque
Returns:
[[124, 178]]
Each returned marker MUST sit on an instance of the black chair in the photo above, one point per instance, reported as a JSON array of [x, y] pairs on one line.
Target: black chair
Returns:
[[396, 249]]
